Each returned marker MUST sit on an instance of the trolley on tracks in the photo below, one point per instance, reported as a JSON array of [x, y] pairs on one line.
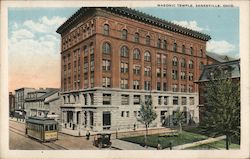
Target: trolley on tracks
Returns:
[[42, 129]]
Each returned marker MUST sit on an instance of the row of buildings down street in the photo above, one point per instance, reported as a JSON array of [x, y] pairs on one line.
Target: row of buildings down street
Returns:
[[112, 59]]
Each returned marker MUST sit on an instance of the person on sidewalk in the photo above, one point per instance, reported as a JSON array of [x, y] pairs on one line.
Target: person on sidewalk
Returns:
[[87, 134], [159, 146]]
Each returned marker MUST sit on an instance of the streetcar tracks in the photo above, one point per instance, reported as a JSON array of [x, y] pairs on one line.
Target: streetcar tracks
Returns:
[[51, 145]]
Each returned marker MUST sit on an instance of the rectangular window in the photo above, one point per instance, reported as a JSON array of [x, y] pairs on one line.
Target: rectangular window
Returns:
[[122, 113], [147, 71], [175, 88], [158, 86], [183, 100], [137, 99], [125, 99], [106, 82], [164, 59], [137, 69], [91, 98], [175, 100], [136, 85], [158, 72], [124, 83], [147, 85], [165, 100], [106, 65], [164, 72], [174, 74], [124, 67], [135, 114], [158, 57], [159, 100], [127, 113], [191, 100], [106, 99], [164, 86]]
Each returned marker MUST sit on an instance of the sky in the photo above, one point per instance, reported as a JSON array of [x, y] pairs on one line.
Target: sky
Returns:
[[34, 45]]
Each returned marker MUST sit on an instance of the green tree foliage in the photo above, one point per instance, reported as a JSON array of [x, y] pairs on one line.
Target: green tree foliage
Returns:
[[179, 119], [222, 109], [147, 116]]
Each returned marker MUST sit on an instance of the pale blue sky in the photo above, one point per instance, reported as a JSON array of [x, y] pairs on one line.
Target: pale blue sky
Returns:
[[34, 45]]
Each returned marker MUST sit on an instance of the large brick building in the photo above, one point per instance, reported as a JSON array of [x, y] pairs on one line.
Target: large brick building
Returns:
[[114, 58]]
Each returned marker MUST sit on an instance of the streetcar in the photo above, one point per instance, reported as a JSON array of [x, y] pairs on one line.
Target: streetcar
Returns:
[[42, 129]]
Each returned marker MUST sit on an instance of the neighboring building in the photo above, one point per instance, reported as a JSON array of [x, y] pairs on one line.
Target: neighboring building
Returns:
[[231, 67], [114, 58], [11, 104], [20, 95], [43, 103], [213, 58]]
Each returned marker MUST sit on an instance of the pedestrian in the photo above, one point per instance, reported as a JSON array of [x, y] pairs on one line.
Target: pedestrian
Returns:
[[87, 134], [159, 146]]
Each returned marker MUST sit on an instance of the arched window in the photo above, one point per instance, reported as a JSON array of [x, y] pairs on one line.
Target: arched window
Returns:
[[191, 50], [106, 29], [91, 48], [106, 48], [124, 34], [147, 56], [164, 44], [175, 47], [183, 49], [147, 40], [201, 52], [136, 54], [85, 50], [137, 37], [183, 63], [175, 61], [159, 43], [191, 64], [124, 51]]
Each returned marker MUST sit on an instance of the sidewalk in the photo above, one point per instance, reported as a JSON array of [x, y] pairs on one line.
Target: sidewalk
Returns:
[[124, 145], [193, 144], [116, 133]]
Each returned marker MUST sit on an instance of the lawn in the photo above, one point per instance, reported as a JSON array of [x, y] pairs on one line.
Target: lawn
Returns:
[[215, 145], [185, 137]]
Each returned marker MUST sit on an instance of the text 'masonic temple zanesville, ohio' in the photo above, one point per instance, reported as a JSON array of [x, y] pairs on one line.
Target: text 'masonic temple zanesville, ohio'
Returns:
[[112, 59]]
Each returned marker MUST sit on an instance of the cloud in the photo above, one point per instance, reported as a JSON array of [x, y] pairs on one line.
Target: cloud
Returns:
[[221, 47], [191, 25], [44, 24], [34, 53], [21, 34]]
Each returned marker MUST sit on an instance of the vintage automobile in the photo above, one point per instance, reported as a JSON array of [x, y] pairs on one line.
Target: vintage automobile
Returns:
[[102, 140]]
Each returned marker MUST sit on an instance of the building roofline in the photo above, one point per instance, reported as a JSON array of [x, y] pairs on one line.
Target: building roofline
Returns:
[[222, 63], [24, 88], [136, 15], [47, 94]]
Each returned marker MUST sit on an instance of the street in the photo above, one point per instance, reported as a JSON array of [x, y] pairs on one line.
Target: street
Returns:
[[19, 141]]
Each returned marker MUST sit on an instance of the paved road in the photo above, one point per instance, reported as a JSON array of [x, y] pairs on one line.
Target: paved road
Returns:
[[19, 141]]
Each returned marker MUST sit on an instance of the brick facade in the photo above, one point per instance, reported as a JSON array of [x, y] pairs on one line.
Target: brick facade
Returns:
[[106, 55]]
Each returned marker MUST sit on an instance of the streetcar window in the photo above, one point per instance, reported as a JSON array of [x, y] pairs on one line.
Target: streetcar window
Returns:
[[51, 127], [55, 127], [46, 127]]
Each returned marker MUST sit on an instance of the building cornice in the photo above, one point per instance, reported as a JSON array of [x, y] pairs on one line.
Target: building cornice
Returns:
[[135, 15]]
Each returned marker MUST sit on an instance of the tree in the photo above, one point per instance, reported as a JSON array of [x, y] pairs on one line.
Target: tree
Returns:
[[179, 119], [222, 110], [147, 116]]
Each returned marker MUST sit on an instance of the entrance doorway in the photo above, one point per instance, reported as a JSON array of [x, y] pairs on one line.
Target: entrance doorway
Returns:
[[106, 120]]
